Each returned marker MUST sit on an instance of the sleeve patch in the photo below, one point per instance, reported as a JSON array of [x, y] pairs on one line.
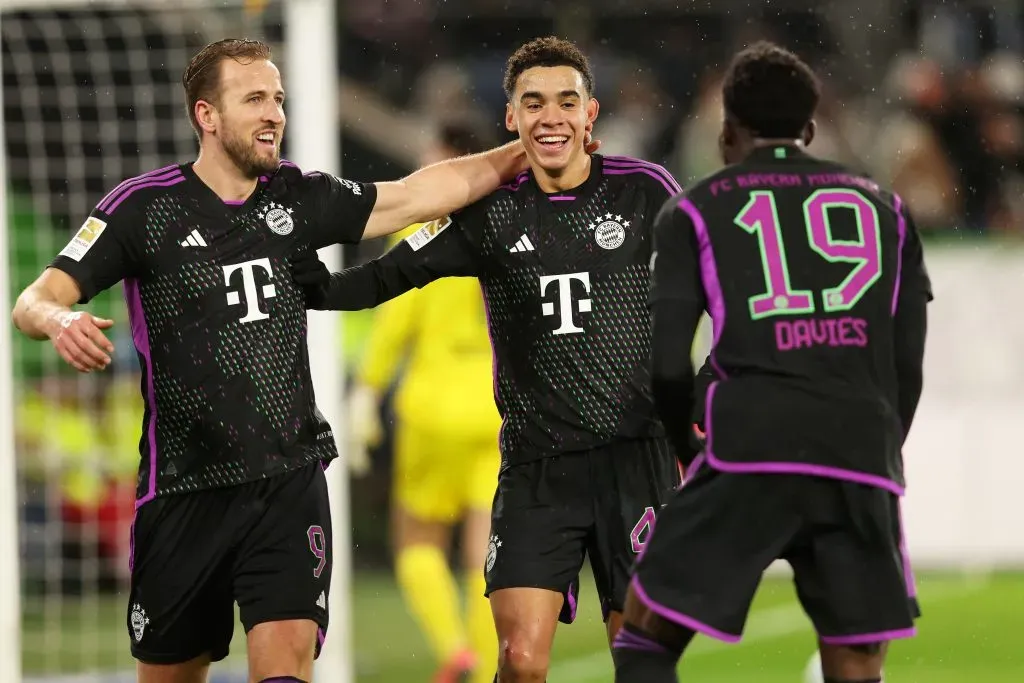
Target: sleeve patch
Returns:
[[429, 231], [82, 242]]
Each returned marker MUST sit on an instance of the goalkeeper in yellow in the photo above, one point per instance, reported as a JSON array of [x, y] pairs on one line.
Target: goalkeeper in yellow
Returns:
[[446, 456]]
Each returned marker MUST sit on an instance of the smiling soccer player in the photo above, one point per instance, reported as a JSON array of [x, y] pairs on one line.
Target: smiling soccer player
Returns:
[[562, 254]]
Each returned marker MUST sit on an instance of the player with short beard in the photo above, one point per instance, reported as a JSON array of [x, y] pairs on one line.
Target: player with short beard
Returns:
[[232, 502]]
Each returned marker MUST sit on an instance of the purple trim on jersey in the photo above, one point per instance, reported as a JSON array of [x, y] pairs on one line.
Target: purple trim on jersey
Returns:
[[516, 183], [140, 335], [321, 636], [678, 617], [285, 162], [652, 169], [562, 198], [111, 201], [866, 638], [235, 202], [801, 468], [627, 640], [709, 277], [901, 229], [613, 170], [694, 467], [908, 571], [153, 183]]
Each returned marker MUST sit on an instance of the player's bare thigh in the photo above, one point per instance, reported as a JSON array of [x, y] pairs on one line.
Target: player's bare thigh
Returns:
[[282, 648], [525, 619], [192, 671]]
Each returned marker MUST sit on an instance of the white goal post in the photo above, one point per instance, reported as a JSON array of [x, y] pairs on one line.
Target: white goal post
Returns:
[[73, 629]]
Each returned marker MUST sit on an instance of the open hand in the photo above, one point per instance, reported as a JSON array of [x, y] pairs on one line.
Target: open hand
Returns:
[[80, 341]]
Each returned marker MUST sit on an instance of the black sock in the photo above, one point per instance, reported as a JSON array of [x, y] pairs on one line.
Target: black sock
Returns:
[[282, 679], [846, 680], [641, 659]]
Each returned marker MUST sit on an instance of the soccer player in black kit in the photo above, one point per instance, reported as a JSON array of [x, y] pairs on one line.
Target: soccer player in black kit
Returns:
[[815, 282], [562, 256], [232, 502]]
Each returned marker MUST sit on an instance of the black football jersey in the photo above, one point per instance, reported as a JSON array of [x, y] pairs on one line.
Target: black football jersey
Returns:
[[565, 279], [801, 265], [218, 323]]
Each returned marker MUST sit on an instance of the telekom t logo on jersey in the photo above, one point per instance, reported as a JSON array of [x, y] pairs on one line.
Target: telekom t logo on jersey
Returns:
[[252, 294], [565, 312]]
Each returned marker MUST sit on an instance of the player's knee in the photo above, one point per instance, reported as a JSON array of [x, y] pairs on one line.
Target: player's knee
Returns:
[[852, 663], [521, 661]]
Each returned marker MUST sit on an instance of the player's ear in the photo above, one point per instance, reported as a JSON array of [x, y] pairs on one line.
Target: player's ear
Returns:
[[593, 106], [206, 116], [510, 119], [809, 130]]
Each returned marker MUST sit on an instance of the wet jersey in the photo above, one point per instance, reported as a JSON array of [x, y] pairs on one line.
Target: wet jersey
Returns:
[[218, 324]]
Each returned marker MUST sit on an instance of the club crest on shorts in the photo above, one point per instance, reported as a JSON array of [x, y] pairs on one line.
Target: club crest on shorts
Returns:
[[609, 231], [278, 218], [492, 551], [139, 621]]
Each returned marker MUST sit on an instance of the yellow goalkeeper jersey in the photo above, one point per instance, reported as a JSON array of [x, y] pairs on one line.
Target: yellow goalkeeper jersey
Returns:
[[440, 332]]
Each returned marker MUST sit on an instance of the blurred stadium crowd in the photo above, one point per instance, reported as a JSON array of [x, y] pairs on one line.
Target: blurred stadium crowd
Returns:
[[936, 109]]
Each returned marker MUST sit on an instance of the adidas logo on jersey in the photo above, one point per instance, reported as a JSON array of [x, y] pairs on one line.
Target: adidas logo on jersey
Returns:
[[321, 602], [524, 244], [194, 240]]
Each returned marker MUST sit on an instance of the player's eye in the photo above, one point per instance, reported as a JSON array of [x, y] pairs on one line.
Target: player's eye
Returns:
[[254, 98], [569, 105]]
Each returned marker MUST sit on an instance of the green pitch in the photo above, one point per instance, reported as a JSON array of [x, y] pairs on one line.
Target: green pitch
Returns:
[[972, 630]]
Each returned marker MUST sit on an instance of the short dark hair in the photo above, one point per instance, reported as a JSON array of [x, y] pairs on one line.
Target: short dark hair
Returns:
[[201, 78], [548, 51], [770, 91], [464, 136]]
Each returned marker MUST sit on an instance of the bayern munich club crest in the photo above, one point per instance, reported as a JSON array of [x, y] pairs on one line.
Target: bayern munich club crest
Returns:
[[492, 552], [278, 218], [609, 231], [139, 621]]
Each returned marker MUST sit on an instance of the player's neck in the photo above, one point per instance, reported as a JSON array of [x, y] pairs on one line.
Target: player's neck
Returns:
[[222, 176], [573, 175]]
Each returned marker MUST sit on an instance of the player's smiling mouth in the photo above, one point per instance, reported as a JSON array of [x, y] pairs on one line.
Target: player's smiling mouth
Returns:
[[554, 143], [267, 138]]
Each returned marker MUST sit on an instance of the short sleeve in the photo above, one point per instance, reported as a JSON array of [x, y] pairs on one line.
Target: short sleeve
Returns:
[[341, 209], [440, 248], [675, 260], [914, 278], [105, 250]]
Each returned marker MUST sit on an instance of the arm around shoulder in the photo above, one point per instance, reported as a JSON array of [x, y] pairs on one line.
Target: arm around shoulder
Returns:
[[442, 188]]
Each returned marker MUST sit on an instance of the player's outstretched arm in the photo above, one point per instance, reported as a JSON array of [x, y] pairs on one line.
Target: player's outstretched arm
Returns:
[[43, 311], [438, 249], [442, 188]]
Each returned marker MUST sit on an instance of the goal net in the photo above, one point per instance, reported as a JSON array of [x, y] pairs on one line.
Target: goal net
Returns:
[[92, 95]]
